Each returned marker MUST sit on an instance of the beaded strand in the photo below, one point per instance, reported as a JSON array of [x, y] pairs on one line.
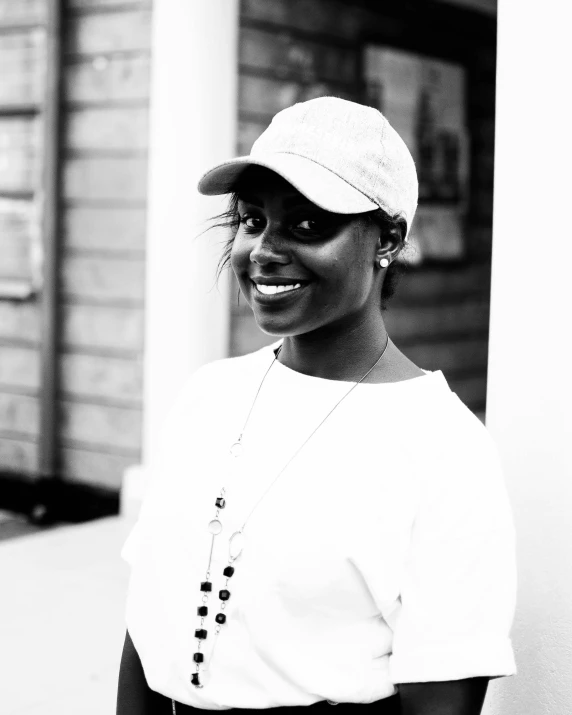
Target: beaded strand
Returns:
[[235, 549]]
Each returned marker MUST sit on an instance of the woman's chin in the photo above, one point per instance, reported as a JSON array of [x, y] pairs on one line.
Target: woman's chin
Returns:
[[272, 327], [278, 327]]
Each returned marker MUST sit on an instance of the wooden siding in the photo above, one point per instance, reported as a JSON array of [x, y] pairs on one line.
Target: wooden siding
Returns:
[[22, 13], [102, 264], [330, 18], [22, 63], [118, 230], [19, 154], [19, 324], [22, 58], [291, 50], [19, 415], [18, 221], [118, 131], [103, 330], [19, 369], [102, 271], [18, 454], [108, 81]]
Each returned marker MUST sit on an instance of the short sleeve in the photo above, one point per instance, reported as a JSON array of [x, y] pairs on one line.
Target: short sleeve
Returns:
[[458, 587]]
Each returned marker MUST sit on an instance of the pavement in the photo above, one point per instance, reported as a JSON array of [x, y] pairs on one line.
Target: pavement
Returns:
[[62, 596]]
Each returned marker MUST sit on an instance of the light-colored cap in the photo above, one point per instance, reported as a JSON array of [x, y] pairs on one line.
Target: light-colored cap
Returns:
[[342, 156]]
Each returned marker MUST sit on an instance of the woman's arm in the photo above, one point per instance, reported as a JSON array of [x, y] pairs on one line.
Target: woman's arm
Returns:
[[134, 696], [449, 697]]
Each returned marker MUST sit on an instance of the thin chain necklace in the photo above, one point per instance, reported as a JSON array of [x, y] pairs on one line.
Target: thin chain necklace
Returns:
[[236, 542]]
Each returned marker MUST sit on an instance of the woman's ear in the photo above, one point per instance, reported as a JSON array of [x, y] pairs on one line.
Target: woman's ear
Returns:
[[390, 243]]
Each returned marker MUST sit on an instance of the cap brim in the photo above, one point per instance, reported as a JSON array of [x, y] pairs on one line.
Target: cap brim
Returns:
[[318, 184]]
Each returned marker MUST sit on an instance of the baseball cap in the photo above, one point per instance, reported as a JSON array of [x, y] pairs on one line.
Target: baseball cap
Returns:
[[342, 156]]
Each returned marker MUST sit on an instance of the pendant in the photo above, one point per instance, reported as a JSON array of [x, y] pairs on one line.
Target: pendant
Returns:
[[215, 527], [235, 545], [237, 449], [201, 678]]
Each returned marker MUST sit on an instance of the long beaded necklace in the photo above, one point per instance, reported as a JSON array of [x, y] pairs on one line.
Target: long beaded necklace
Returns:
[[236, 542]]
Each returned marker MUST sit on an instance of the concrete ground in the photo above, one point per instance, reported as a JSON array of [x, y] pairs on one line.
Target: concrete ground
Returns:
[[61, 617]]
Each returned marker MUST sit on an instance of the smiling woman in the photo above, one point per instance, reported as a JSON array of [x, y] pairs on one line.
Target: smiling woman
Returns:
[[348, 509]]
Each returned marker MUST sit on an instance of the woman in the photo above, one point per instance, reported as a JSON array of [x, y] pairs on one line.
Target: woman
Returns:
[[327, 510]]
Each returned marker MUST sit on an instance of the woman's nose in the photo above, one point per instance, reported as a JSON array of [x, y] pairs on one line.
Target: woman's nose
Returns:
[[269, 248]]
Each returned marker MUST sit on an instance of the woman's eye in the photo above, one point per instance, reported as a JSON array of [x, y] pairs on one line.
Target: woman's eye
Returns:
[[251, 222], [309, 226]]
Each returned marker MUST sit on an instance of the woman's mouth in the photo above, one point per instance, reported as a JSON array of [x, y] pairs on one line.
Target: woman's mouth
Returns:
[[269, 293], [274, 289]]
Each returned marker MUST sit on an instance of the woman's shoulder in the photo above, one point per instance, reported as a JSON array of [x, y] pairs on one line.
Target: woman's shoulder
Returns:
[[437, 417], [460, 440]]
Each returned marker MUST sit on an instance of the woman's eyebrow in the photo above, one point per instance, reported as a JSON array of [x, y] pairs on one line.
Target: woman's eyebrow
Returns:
[[250, 200], [298, 200], [290, 202]]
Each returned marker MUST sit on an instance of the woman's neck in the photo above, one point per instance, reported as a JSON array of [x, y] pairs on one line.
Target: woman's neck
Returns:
[[336, 354]]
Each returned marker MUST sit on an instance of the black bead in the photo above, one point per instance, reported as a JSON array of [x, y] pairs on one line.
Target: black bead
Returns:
[[220, 618], [195, 679], [229, 570], [198, 657], [200, 633], [202, 611], [220, 503], [224, 595], [206, 586]]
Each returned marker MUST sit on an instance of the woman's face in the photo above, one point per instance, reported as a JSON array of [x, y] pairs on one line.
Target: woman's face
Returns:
[[299, 267]]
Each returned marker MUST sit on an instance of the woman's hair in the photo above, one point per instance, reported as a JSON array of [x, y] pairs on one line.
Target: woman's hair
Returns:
[[389, 225]]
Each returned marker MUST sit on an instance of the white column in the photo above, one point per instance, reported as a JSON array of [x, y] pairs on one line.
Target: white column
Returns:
[[529, 405], [193, 125]]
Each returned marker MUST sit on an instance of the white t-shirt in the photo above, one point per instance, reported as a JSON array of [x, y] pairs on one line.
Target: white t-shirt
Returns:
[[384, 554]]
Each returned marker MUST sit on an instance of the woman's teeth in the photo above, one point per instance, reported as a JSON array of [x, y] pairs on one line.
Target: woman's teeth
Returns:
[[272, 289]]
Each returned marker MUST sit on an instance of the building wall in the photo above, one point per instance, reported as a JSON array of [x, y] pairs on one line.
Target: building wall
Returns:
[[104, 187], [105, 97], [22, 80], [291, 50]]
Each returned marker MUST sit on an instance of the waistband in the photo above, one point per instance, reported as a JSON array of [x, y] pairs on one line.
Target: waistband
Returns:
[[387, 706]]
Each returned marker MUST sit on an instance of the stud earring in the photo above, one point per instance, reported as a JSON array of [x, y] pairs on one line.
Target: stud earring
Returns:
[[384, 263]]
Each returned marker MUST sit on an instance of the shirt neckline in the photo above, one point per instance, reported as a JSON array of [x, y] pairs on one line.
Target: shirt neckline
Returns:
[[429, 377]]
